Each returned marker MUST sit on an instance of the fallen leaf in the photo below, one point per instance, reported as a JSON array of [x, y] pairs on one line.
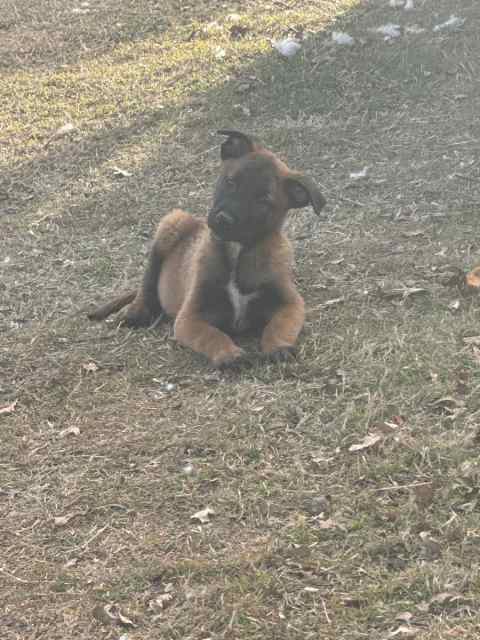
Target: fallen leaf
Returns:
[[70, 563], [454, 305], [61, 132], [69, 431], [121, 173], [446, 596], [102, 614], [370, 440], [311, 589], [327, 524], [10, 408], [110, 614], [472, 279], [160, 602], [448, 405], [61, 521], [413, 234], [203, 516], [124, 621], [403, 630], [406, 616]]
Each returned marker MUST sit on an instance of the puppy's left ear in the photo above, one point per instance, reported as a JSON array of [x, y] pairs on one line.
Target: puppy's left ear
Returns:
[[237, 144], [302, 191]]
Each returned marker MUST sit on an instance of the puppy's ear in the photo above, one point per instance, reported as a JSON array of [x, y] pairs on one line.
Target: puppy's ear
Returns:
[[302, 191], [237, 145]]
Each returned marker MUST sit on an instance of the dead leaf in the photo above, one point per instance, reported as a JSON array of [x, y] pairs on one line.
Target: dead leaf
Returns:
[[69, 431], [454, 305], [124, 621], [111, 614], [370, 440], [203, 516], [448, 406], [403, 630], [61, 132], [61, 521], [160, 602], [70, 563], [90, 367], [446, 596], [103, 615], [472, 279], [327, 524], [406, 616], [413, 234], [121, 173], [10, 408]]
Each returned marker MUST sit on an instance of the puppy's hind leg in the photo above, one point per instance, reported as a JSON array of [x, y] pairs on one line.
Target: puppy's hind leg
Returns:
[[146, 306]]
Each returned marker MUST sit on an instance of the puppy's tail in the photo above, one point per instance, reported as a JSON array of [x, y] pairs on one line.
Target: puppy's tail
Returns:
[[105, 310]]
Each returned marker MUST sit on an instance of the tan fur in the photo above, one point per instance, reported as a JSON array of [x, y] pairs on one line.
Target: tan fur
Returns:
[[189, 269]]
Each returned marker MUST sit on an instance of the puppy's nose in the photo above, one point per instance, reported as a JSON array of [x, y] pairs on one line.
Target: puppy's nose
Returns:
[[224, 218]]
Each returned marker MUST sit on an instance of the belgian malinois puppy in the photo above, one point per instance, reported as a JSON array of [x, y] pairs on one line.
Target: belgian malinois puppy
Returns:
[[233, 273]]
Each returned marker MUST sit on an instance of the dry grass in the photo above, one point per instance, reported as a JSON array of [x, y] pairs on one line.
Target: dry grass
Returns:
[[119, 437]]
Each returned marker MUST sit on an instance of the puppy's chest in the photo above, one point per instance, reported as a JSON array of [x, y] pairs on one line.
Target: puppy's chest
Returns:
[[239, 300]]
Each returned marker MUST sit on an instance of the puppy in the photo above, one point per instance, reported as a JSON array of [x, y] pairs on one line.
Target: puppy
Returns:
[[233, 273]]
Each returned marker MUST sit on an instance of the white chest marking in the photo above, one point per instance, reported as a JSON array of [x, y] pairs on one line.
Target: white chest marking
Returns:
[[239, 301]]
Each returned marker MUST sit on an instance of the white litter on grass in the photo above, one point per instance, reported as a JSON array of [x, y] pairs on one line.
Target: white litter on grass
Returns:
[[409, 5], [342, 38], [287, 47], [454, 22], [389, 30], [415, 29], [357, 175]]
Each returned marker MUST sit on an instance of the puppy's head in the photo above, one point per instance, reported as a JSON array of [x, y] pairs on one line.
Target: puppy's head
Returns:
[[255, 190]]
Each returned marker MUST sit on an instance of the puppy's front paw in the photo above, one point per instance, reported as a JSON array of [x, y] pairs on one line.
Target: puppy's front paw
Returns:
[[135, 317], [281, 354], [228, 358]]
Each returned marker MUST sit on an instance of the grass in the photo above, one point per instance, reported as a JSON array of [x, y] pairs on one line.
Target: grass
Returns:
[[104, 464]]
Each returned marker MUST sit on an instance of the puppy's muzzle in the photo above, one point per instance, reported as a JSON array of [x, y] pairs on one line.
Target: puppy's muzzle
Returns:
[[220, 221]]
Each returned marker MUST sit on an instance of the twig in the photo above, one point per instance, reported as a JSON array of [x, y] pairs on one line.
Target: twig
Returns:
[[403, 486]]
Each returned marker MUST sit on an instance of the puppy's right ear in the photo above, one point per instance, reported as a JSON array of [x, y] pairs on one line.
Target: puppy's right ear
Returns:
[[237, 145]]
